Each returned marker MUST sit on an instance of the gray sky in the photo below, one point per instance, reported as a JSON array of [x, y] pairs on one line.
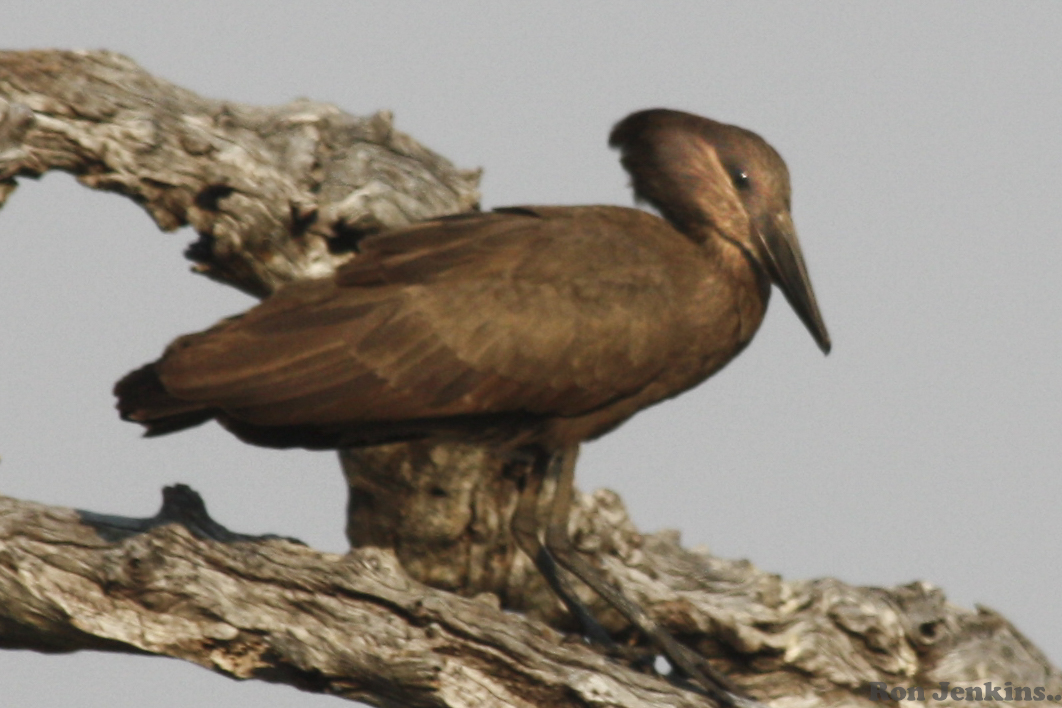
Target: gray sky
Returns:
[[925, 146]]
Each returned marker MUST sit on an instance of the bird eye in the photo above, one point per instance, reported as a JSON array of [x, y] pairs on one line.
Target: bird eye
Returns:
[[741, 179]]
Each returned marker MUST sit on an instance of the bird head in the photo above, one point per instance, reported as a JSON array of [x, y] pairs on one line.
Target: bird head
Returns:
[[713, 180]]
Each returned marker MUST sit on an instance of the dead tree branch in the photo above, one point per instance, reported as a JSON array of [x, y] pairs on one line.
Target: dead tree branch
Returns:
[[278, 194], [355, 626]]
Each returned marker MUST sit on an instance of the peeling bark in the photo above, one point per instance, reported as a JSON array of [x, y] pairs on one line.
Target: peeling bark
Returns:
[[412, 615], [276, 193]]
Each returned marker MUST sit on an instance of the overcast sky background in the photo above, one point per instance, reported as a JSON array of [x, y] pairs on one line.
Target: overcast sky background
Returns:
[[925, 146]]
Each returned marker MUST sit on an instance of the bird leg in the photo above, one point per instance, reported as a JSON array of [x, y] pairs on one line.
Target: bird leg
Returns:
[[525, 529], [561, 468]]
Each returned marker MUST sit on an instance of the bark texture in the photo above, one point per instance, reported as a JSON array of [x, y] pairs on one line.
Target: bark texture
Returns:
[[276, 194], [413, 615]]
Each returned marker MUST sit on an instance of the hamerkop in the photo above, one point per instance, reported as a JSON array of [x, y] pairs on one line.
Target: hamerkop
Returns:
[[529, 328]]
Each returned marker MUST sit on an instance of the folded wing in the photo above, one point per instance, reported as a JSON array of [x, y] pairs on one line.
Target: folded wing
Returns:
[[497, 313]]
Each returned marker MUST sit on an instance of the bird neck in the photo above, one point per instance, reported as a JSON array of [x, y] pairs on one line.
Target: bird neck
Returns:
[[741, 274], [738, 259]]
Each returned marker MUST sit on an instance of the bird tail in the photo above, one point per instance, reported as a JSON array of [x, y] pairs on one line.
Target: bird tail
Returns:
[[143, 399]]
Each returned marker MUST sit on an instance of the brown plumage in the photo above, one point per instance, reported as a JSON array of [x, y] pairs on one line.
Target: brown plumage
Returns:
[[528, 327], [531, 324]]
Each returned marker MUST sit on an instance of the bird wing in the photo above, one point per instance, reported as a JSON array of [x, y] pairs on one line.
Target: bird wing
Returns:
[[554, 311]]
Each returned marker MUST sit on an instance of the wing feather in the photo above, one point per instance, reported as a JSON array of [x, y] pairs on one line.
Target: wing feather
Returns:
[[493, 313]]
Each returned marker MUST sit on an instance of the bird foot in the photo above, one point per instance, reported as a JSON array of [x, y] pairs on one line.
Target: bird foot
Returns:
[[694, 673], [700, 675], [640, 658]]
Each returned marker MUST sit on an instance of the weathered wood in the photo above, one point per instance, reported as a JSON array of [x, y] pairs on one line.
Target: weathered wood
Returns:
[[278, 194], [275, 193], [355, 626], [358, 627]]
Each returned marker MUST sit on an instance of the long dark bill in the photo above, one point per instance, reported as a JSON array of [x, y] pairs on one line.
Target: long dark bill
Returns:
[[786, 262]]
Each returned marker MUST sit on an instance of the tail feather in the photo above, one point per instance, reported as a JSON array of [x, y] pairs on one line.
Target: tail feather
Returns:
[[143, 399]]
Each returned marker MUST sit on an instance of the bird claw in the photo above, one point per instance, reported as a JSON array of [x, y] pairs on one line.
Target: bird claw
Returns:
[[643, 659], [698, 674], [640, 658]]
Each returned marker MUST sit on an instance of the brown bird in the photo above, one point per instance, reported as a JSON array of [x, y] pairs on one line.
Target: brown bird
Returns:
[[530, 328]]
